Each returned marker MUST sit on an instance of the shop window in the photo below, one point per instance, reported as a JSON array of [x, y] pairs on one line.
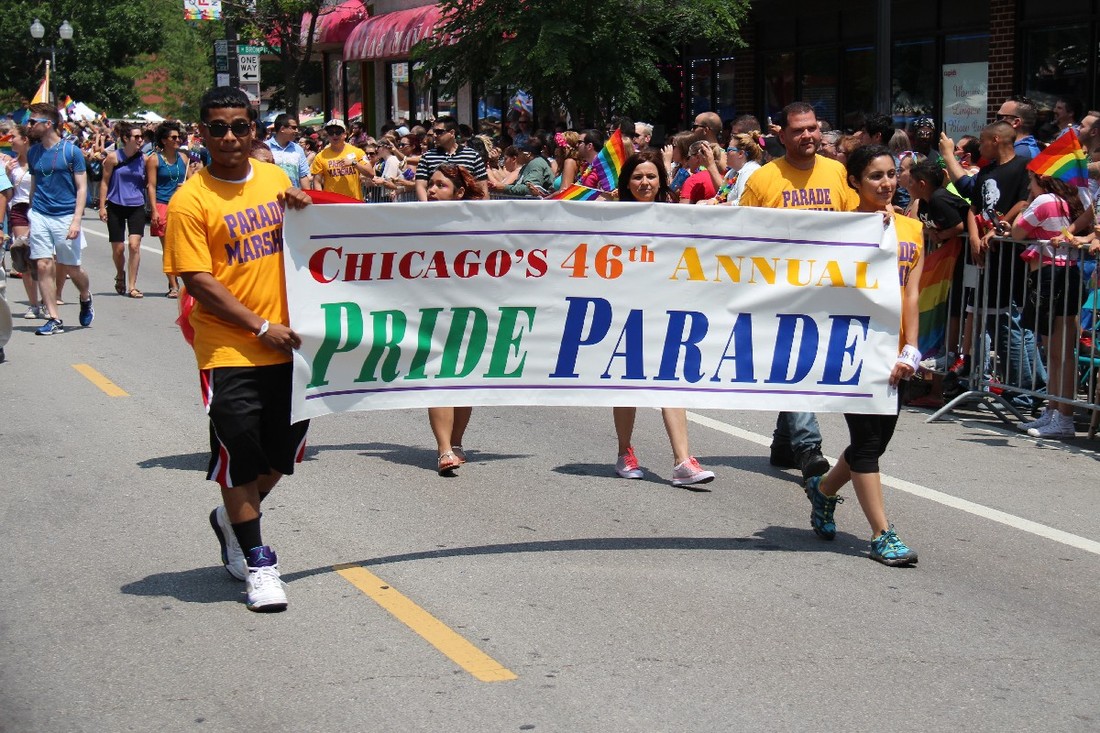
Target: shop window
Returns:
[[859, 85], [965, 49], [913, 84], [334, 81], [398, 90], [820, 81], [1056, 62], [492, 103], [779, 88], [726, 108], [353, 76], [702, 82]]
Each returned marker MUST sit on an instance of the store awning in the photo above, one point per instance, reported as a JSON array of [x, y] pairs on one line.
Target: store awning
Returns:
[[334, 26], [392, 35]]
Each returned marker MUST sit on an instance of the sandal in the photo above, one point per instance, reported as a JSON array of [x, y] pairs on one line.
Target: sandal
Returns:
[[135, 293], [172, 293], [120, 285], [459, 453], [448, 462]]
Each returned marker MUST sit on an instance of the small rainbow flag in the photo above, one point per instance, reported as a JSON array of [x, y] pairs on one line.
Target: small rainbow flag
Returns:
[[575, 192], [5, 145], [935, 286], [1063, 159], [610, 161]]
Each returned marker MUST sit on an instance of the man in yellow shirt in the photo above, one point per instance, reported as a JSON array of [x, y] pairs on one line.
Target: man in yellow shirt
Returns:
[[801, 179], [225, 241], [336, 168]]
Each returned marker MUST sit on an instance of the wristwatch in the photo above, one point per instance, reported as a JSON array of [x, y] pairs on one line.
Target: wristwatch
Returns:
[[263, 329]]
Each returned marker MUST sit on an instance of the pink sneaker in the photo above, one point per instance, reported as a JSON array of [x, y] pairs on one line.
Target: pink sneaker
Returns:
[[627, 465], [690, 472]]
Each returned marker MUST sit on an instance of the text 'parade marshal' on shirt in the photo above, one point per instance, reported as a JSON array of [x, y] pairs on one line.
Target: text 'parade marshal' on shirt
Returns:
[[235, 232]]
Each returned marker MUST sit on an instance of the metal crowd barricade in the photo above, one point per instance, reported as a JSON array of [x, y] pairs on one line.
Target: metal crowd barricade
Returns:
[[1014, 324], [383, 195]]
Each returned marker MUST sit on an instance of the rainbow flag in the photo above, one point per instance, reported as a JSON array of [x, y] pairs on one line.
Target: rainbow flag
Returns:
[[575, 192], [1063, 159], [5, 145], [610, 161], [935, 286]]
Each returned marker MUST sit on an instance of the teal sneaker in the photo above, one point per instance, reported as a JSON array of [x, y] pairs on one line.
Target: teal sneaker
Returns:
[[888, 549], [821, 515]]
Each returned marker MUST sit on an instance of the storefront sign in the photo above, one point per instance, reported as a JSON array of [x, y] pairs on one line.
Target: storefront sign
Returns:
[[601, 303], [965, 98]]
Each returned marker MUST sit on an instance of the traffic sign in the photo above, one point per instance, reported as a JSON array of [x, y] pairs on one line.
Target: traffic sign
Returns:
[[244, 49], [223, 80], [248, 68], [253, 93]]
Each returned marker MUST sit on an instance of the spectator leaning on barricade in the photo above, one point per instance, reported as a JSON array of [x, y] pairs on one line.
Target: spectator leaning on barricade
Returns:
[[535, 178], [337, 168], [1054, 294], [448, 149], [289, 155], [1021, 114], [801, 179], [58, 192]]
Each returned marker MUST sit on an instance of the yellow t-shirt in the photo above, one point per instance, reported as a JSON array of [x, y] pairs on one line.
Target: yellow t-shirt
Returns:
[[341, 175], [779, 185], [234, 231], [910, 250]]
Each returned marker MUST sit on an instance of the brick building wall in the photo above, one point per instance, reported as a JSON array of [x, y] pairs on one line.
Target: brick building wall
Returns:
[[1002, 53]]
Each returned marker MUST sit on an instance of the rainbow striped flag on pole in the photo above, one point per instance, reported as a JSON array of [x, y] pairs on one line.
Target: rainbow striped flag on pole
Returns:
[[935, 285], [5, 145], [610, 161], [575, 192], [1063, 159]]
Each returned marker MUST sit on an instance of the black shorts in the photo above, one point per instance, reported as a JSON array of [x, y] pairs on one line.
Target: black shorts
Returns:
[[250, 430], [1052, 292], [121, 218]]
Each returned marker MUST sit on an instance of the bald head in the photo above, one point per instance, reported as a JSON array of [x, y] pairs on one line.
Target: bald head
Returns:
[[710, 124]]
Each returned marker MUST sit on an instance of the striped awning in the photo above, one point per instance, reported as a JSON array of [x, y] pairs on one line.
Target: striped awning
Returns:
[[390, 36], [335, 24]]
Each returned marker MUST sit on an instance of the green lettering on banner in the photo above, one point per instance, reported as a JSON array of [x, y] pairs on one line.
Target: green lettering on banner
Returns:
[[334, 337], [457, 335], [428, 318], [384, 322], [507, 341]]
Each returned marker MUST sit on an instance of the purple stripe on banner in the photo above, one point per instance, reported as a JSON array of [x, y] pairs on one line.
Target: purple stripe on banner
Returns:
[[461, 388], [586, 232]]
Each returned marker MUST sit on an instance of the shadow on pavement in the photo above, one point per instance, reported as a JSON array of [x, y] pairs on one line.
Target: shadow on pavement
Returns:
[[201, 585]]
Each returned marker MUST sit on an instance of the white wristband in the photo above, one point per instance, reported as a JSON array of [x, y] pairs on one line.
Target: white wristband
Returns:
[[910, 356], [263, 329]]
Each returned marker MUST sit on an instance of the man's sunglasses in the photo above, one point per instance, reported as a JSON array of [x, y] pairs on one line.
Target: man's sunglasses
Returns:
[[240, 128], [36, 120], [335, 130]]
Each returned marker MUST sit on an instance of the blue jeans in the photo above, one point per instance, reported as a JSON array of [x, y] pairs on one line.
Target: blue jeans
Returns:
[[798, 430]]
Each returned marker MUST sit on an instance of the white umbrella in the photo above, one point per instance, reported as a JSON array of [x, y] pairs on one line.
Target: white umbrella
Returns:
[[82, 111]]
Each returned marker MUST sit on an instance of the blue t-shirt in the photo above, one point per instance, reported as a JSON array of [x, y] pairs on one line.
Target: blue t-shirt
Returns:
[[54, 172], [291, 159], [1026, 147], [5, 182]]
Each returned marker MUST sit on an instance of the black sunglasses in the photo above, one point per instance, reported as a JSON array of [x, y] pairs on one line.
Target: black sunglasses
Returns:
[[240, 128], [439, 130], [335, 130]]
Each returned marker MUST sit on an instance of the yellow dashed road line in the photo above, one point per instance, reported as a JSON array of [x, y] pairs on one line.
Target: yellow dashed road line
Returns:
[[112, 389]]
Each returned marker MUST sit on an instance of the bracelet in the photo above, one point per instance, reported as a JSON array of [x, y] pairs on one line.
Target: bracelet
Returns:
[[263, 329], [910, 356]]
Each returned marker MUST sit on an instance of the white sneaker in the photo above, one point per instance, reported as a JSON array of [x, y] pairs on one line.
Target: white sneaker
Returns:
[[1044, 419], [627, 465], [232, 556], [690, 472], [265, 587], [1060, 426]]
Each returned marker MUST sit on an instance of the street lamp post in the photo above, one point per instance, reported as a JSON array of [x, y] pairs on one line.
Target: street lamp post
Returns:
[[38, 32]]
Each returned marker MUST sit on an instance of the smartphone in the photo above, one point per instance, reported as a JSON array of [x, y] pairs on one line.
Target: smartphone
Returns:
[[539, 190], [769, 122]]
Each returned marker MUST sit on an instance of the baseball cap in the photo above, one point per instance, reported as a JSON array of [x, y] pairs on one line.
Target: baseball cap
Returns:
[[402, 130], [335, 122]]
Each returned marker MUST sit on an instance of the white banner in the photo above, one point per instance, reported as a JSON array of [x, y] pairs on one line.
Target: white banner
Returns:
[[590, 303]]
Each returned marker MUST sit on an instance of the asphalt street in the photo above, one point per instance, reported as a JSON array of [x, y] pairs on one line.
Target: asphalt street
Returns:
[[534, 590]]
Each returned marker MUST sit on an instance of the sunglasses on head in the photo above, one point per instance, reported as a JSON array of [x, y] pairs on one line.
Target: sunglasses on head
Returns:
[[240, 128]]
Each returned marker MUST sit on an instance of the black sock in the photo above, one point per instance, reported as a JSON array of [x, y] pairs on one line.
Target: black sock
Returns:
[[248, 534]]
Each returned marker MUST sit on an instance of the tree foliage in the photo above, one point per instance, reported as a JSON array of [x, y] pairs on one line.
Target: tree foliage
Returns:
[[107, 36], [592, 58]]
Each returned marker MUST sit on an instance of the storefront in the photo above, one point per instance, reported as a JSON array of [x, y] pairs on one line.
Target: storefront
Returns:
[[342, 83]]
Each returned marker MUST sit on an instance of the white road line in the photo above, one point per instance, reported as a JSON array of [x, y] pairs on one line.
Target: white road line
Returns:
[[1011, 520], [151, 250]]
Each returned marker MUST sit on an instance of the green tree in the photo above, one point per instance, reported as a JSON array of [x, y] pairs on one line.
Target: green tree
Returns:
[[279, 23], [107, 36], [592, 58]]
